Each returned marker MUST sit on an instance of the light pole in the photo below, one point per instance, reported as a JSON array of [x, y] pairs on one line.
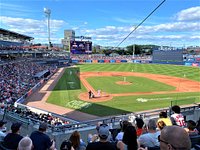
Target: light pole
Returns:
[[133, 55], [47, 14]]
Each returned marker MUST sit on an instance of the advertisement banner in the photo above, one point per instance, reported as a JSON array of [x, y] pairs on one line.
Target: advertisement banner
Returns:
[[95, 61], [112, 61]]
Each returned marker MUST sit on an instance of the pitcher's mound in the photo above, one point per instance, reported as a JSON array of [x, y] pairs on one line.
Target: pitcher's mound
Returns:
[[103, 97], [124, 83]]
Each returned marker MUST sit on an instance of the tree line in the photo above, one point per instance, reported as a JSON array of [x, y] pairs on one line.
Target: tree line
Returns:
[[129, 50]]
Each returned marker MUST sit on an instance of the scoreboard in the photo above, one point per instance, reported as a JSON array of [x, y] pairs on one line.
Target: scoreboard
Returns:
[[168, 56], [80, 47]]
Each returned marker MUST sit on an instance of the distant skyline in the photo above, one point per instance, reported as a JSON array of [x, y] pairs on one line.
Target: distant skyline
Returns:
[[108, 22]]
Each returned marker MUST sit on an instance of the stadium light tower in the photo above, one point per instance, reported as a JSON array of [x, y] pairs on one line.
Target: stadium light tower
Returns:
[[47, 14]]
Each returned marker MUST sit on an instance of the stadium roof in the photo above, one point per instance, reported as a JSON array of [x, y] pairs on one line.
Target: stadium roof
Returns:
[[15, 34]]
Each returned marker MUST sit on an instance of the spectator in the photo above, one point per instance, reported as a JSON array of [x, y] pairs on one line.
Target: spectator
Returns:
[[191, 128], [103, 144], [76, 141], [41, 141], [66, 145], [2, 130], [25, 144], [12, 139], [95, 137], [139, 126], [198, 125], [174, 138], [177, 117], [161, 124], [164, 118], [129, 141], [123, 124], [150, 139]]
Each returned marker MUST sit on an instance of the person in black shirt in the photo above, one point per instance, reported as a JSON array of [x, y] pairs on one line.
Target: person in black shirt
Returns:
[[12, 139], [103, 144], [40, 140]]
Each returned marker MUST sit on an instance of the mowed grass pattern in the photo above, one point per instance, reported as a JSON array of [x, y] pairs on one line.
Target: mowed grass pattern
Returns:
[[139, 84], [119, 105], [192, 73]]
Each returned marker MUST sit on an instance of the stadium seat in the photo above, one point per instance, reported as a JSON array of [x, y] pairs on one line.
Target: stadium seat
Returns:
[[195, 140], [197, 147]]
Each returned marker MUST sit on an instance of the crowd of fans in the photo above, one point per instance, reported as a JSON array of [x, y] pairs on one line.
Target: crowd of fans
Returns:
[[11, 48], [165, 133], [48, 118], [16, 79], [19, 47]]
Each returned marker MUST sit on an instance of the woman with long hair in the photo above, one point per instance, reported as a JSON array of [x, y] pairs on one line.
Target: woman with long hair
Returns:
[[76, 141], [129, 141]]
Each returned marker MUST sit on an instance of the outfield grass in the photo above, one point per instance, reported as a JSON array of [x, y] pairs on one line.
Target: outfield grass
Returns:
[[67, 95]]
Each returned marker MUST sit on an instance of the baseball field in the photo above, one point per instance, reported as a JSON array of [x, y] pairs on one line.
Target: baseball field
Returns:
[[125, 88]]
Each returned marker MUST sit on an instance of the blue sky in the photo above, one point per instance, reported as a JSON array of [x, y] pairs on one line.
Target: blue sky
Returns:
[[108, 22]]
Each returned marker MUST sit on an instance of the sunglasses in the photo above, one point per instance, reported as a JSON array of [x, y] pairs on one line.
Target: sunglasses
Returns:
[[160, 140]]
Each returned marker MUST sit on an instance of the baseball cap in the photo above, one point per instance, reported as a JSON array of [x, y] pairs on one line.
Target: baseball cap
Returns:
[[104, 131], [2, 123], [16, 126]]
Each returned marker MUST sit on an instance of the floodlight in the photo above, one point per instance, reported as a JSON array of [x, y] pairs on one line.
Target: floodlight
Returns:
[[47, 13]]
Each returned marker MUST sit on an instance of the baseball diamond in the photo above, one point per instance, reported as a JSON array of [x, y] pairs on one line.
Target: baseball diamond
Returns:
[[153, 86]]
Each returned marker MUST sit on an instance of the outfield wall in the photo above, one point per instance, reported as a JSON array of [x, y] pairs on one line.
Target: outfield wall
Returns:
[[110, 61], [190, 62]]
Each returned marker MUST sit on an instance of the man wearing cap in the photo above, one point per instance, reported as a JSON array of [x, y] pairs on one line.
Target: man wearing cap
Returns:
[[103, 133], [12, 139], [41, 141], [2, 130]]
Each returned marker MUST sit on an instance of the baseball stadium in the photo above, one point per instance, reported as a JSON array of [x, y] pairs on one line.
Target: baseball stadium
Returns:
[[81, 96], [80, 90]]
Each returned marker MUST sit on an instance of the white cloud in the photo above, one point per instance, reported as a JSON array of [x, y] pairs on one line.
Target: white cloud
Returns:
[[177, 31], [31, 27], [120, 32], [190, 14]]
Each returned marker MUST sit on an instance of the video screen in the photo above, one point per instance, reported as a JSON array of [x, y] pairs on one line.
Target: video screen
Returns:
[[80, 47]]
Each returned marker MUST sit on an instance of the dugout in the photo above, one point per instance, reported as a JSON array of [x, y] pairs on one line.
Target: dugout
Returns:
[[42, 74]]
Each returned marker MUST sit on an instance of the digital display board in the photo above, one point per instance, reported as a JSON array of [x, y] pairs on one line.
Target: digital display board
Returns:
[[80, 47], [168, 56]]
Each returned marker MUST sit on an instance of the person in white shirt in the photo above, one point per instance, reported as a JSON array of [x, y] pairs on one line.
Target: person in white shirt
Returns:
[[177, 117], [2, 130]]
